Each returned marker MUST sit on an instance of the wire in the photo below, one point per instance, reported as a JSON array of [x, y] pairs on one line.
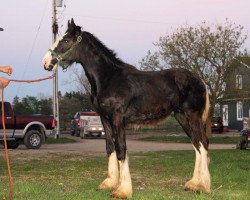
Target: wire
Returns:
[[33, 45], [117, 19]]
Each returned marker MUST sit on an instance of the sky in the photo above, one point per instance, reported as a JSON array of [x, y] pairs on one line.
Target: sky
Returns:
[[128, 27]]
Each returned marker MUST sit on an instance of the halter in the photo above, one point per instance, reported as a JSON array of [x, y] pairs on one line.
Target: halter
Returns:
[[60, 57]]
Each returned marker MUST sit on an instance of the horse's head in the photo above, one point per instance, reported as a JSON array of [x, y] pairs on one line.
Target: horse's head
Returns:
[[63, 51]]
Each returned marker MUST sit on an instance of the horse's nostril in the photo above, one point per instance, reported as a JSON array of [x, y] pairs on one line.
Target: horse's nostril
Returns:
[[50, 67]]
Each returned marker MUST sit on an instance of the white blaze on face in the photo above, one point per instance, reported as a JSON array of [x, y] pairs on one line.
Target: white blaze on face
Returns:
[[48, 57]]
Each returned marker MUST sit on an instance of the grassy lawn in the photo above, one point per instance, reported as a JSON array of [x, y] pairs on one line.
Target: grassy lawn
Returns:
[[156, 176], [185, 139]]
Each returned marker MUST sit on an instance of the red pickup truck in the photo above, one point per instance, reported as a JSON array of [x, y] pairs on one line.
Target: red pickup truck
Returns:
[[30, 130]]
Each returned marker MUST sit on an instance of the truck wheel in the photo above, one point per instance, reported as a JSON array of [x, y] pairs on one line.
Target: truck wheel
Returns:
[[33, 139]]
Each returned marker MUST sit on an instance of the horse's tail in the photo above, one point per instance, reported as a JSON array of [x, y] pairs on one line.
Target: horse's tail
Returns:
[[206, 108]]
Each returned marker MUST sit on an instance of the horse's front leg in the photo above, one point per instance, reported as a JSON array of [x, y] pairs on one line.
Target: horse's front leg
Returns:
[[124, 188], [112, 179]]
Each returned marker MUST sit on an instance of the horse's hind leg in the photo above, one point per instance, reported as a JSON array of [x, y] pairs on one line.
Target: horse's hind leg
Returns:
[[124, 188], [113, 172], [193, 126]]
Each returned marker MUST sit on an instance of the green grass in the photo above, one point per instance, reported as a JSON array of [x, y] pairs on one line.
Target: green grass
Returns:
[[155, 176], [185, 139], [61, 140]]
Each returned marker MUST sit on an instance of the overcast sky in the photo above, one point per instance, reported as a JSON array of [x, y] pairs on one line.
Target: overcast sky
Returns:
[[128, 27]]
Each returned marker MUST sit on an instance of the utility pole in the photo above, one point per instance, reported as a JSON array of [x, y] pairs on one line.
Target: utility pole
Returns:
[[55, 79]]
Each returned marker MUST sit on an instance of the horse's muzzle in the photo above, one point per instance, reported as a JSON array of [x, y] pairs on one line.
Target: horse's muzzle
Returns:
[[49, 68], [52, 64]]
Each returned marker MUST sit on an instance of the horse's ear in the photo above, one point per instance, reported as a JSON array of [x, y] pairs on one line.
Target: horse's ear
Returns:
[[72, 22], [71, 25], [73, 28]]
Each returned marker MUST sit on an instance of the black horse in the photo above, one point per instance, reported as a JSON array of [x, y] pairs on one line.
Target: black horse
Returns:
[[123, 95]]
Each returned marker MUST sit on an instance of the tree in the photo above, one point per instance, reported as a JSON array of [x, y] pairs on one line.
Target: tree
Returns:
[[83, 98], [68, 107], [32, 105], [79, 77], [150, 62], [45, 106], [207, 50], [18, 106]]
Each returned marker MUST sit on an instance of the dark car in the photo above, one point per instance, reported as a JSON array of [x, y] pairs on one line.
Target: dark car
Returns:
[[217, 124]]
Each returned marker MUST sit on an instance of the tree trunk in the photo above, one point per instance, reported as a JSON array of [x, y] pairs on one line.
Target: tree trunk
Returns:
[[208, 128], [210, 115]]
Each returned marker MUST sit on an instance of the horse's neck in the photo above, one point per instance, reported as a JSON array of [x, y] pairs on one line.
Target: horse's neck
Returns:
[[97, 70]]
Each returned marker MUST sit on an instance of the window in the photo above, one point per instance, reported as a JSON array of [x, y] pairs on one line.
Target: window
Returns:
[[238, 81], [225, 114], [239, 110], [7, 110]]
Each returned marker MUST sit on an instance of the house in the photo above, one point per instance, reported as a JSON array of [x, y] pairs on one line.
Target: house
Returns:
[[235, 104]]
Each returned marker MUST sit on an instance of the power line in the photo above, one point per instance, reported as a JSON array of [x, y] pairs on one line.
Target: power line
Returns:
[[118, 19], [33, 46]]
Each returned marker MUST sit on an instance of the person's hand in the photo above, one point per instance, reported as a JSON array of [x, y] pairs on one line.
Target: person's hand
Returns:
[[4, 82], [6, 69]]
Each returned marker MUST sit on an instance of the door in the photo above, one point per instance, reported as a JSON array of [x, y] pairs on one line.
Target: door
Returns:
[[225, 115], [9, 120]]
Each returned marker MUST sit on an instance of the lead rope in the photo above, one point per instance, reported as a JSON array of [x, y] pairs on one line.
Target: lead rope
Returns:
[[6, 147], [32, 81], [4, 129]]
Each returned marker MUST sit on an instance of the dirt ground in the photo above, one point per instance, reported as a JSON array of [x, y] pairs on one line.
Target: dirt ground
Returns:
[[97, 146]]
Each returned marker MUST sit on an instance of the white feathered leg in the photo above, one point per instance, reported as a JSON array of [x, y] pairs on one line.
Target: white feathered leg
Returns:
[[124, 189], [112, 180], [201, 177]]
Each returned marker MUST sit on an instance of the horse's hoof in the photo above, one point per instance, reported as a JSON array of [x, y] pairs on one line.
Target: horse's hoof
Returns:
[[108, 184], [196, 186], [121, 194]]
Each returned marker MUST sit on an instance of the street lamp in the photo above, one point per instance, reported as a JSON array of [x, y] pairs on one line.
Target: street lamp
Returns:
[[1, 29]]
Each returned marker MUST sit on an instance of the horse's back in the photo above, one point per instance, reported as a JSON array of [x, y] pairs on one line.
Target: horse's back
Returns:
[[152, 95], [158, 93]]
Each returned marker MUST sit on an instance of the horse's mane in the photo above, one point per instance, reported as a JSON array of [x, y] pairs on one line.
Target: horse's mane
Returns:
[[105, 52]]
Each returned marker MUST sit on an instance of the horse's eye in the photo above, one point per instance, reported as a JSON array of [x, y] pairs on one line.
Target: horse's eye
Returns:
[[66, 41]]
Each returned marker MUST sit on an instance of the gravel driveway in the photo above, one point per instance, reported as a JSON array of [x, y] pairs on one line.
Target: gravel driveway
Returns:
[[97, 146]]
